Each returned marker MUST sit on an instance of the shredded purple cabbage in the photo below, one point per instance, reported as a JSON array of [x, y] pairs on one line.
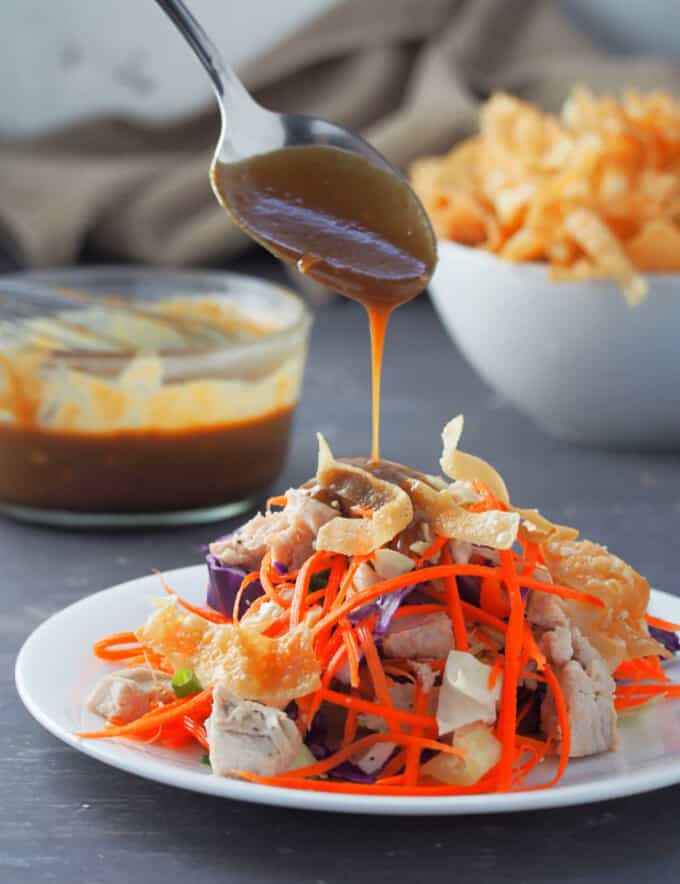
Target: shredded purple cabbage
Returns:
[[385, 607], [469, 589], [316, 743], [351, 773], [223, 584], [388, 605], [669, 640], [281, 567]]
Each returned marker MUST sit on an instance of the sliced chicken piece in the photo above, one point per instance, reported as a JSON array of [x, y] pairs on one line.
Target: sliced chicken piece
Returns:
[[583, 676], [373, 759], [289, 534], [424, 674], [618, 630], [418, 636], [127, 694], [248, 736]]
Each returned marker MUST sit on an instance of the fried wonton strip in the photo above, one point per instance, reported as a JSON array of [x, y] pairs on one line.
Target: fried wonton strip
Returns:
[[535, 528], [457, 465], [272, 671], [390, 507], [448, 519]]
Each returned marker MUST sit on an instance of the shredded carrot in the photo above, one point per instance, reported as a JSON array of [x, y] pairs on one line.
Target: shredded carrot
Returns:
[[481, 616], [200, 611], [281, 500], [374, 664], [393, 767], [389, 713], [435, 547], [648, 690], [488, 502], [353, 655], [497, 625], [245, 583], [330, 593], [641, 669], [533, 652], [331, 670], [662, 624], [196, 730], [412, 766], [493, 597], [495, 673], [316, 562], [655, 668], [267, 585], [566, 592], [438, 572], [395, 669], [455, 609], [322, 767], [621, 704], [290, 782], [107, 648], [174, 711], [524, 710], [410, 610], [151, 659], [531, 557], [348, 580], [276, 577], [507, 717], [565, 732], [350, 730]]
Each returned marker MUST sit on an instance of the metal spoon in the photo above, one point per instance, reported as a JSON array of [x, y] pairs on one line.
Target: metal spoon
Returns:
[[249, 129]]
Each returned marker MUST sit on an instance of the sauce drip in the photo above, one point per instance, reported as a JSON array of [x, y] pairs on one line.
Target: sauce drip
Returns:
[[346, 223]]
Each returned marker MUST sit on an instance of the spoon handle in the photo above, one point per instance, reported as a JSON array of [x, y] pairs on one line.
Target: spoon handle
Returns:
[[222, 76]]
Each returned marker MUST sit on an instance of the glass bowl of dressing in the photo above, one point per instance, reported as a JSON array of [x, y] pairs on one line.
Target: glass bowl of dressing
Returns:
[[171, 404]]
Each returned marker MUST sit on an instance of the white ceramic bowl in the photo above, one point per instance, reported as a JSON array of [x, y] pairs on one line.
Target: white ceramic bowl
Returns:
[[573, 355]]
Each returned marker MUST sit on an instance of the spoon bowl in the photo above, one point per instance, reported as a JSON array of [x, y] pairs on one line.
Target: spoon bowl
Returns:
[[248, 129]]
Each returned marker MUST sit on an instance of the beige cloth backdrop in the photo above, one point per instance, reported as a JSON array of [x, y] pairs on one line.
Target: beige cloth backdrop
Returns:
[[409, 74]]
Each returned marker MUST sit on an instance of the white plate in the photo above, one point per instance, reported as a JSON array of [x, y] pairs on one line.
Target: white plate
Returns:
[[55, 669]]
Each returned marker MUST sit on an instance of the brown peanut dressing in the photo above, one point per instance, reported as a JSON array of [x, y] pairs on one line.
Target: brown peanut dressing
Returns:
[[344, 222]]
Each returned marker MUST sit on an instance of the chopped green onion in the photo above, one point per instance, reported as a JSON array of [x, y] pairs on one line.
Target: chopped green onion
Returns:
[[184, 682], [320, 580], [205, 759]]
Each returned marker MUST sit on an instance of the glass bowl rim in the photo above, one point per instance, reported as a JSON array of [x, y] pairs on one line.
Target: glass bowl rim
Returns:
[[97, 274]]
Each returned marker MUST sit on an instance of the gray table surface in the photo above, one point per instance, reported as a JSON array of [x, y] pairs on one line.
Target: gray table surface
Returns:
[[67, 818]]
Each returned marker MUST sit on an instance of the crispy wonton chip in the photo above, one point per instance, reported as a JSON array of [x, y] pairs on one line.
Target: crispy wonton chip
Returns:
[[389, 506], [272, 671], [618, 630]]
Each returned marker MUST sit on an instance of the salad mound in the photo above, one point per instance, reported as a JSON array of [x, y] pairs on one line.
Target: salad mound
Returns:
[[384, 631]]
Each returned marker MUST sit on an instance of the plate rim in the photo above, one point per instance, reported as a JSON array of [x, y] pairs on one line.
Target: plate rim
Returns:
[[203, 782]]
